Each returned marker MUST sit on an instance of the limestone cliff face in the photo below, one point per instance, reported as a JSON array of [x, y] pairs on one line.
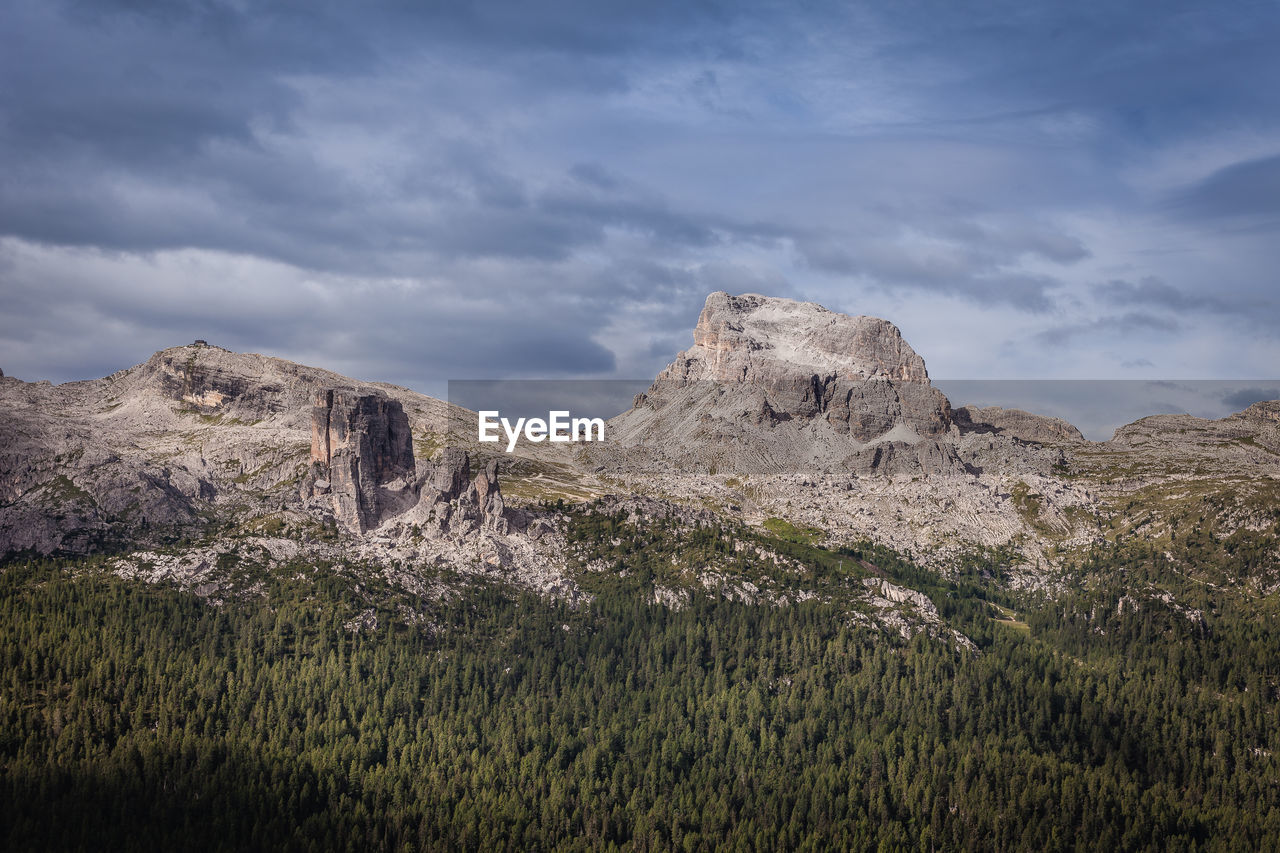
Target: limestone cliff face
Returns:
[[773, 384], [361, 455], [799, 361], [489, 494], [1265, 414], [761, 339], [837, 413], [198, 436], [451, 474], [452, 502]]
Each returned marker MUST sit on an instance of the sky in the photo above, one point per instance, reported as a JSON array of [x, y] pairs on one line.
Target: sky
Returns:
[[416, 192]]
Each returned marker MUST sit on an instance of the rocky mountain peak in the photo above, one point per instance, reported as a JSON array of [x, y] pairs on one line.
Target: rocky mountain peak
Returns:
[[773, 384], [362, 453], [213, 381], [751, 338]]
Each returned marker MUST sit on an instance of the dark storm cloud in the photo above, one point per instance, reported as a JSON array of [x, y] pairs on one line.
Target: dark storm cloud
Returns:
[[981, 268], [1248, 190], [1257, 312], [1243, 398], [413, 334], [170, 125], [554, 187], [1153, 292], [330, 31], [178, 127], [1149, 69]]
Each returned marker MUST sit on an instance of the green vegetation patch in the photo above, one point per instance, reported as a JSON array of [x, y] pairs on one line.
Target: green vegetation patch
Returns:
[[1030, 507], [61, 490], [425, 445], [784, 529]]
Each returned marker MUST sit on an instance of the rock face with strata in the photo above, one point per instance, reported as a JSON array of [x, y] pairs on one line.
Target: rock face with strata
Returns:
[[773, 384], [836, 414], [489, 494], [801, 361], [755, 339], [451, 473], [1015, 423], [906, 459], [361, 456], [453, 502], [199, 437]]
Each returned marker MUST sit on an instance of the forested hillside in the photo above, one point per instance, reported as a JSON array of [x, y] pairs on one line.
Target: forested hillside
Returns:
[[140, 717]]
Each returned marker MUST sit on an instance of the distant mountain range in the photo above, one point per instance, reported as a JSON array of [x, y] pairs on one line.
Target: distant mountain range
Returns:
[[780, 412]]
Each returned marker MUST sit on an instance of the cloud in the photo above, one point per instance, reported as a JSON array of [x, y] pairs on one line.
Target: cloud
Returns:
[[1248, 190], [1152, 291], [103, 308], [1243, 309], [1243, 398], [971, 255], [383, 186], [1122, 326], [594, 175]]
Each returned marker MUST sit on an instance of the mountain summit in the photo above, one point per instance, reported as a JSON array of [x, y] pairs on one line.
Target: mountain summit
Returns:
[[773, 384], [750, 338], [199, 438]]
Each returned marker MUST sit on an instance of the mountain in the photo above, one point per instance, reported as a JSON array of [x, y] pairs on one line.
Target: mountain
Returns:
[[780, 410], [797, 601], [200, 451], [773, 385]]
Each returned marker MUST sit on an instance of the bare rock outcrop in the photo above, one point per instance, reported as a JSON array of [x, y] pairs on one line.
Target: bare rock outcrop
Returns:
[[900, 458], [451, 473], [831, 420], [1015, 423], [452, 501], [489, 494], [755, 339], [1266, 410], [198, 438], [799, 361], [773, 385], [361, 456]]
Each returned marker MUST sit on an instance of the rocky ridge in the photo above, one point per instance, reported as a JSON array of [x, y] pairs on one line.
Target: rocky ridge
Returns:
[[1015, 423], [200, 444], [779, 410]]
